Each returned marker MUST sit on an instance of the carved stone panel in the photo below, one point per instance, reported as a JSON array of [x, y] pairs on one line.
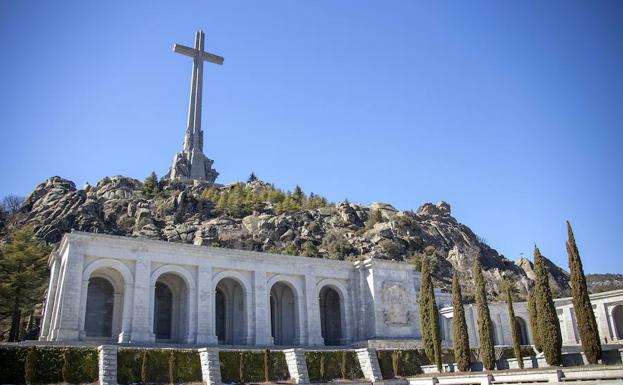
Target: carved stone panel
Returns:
[[395, 304]]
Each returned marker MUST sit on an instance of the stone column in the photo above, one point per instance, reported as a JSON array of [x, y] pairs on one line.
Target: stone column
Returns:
[[262, 310], [205, 306], [295, 358], [49, 301], [210, 366], [107, 364], [141, 329], [70, 312], [314, 333], [369, 364]]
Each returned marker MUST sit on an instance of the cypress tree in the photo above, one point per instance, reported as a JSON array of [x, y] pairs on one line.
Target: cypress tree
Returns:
[[589, 334], [534, 326], [511, 317], [547, 318], [459, 327], [435, 332], [485, 326], [425, 311]]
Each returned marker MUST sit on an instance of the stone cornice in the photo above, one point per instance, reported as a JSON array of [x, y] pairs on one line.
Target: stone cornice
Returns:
[[157, 246]]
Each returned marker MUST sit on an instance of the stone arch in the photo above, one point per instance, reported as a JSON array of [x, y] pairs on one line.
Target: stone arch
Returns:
[[106, 303], [522, 331], [232, 307], [617, 320], [334, 317], [172, 304], [285, 310]]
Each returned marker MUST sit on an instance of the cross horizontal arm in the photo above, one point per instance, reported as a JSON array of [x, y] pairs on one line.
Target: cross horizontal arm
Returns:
[[178, 48]]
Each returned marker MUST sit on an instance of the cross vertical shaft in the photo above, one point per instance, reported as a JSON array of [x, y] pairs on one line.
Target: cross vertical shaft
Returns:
[[191, 163]]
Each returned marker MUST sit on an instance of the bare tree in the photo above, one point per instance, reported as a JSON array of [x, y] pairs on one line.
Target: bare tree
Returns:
[[11, 203]]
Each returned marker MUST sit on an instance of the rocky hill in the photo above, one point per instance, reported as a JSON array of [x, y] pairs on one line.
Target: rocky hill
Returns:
[[256, 216], [598, 283]]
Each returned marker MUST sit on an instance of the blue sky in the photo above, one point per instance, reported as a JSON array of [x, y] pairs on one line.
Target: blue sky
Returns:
[[510, 111]]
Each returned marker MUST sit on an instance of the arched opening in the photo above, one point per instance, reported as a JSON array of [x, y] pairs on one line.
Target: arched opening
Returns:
[[522, 331], [170, 308], [230, 312], [330, 316], [99, 313], [283, 316], [617, 319], [220, 316]]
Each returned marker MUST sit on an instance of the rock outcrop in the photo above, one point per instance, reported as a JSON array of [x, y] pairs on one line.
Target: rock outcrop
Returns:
[[190, 213]]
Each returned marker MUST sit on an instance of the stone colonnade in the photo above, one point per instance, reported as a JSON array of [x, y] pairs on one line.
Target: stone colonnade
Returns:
[[125, 297]]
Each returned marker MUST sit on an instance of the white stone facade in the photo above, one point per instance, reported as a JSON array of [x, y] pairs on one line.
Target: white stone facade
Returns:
[[129, 290], [608, 308], [122, 289]]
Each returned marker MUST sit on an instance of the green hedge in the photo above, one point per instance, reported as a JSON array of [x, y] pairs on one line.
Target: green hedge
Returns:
[[130, 366], [326, 366], [47, 365], [407, 362], [248, 366]]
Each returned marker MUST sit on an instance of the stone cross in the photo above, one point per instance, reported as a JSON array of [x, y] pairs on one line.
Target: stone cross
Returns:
[[194, 136]]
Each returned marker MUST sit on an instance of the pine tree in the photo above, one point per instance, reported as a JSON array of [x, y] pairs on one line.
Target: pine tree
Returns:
[[23, 275], [589, 334], [513, 322], [547, 318], [459, 327], [252, 177], [485, 326], [298, 195], [534, 326], [425, 312], [151, 187]]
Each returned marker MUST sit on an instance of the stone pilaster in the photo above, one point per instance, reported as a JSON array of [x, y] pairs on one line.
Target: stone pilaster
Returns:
[[295, 358], [369, 364], [141, 328], [107, 364], [314, 333], [70, 310], [49, 301], [262, 310], [210, 366], [206, 333]]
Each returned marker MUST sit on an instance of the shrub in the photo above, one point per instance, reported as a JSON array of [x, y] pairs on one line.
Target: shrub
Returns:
[[129, 364], [230, 367], [323, 366], [12, 359], [80, 365], [400, 362], [189, 367], [43, 366]]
